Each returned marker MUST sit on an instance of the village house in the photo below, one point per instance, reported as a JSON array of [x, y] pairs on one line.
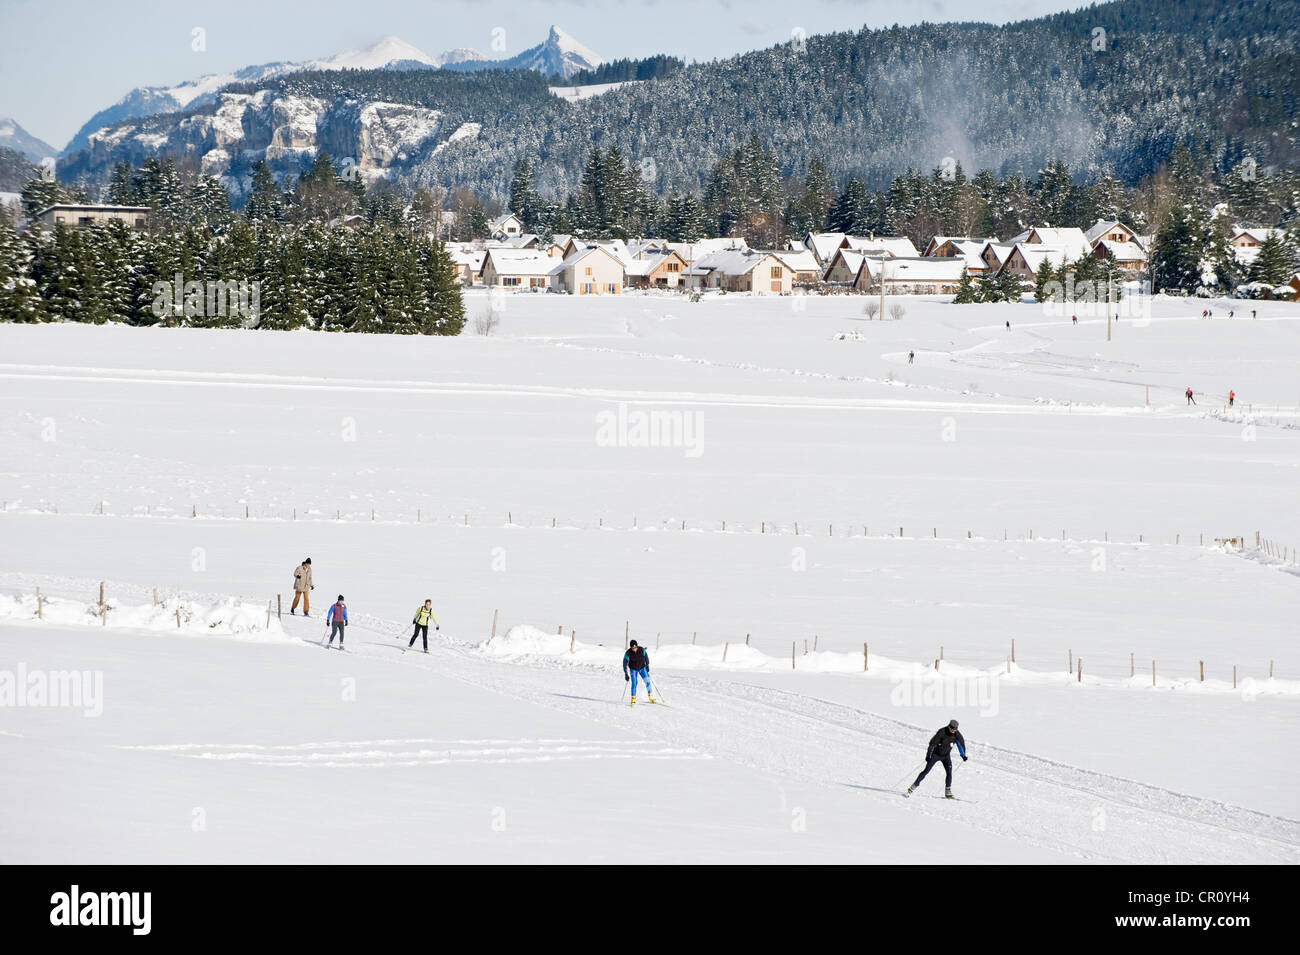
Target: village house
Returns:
[[1246, 242], [742, 271], [524, 240], [593, 270], [995, 255], [506, 226], [517, 269], [807, 270], [893, 245], [967, 248], [1294, 285], [1072, 242], [469, 265], [1129, 256], [557, 245], [843, 266], [1027, 257], [914, 275], [661, 269], [1110, 231], [80, 216]]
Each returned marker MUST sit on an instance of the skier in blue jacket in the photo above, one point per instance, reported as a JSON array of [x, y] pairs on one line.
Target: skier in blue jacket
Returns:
[[636, 663], [940, 751], [337, 620]]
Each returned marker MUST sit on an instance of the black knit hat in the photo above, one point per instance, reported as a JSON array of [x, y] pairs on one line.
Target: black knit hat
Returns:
[[340, 598], [632, 644], [307, 561], [952, 724]]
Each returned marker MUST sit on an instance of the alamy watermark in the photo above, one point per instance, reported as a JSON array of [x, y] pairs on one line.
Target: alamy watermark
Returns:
[[980, 690], [66, 689], [626, 428], [211, 299]]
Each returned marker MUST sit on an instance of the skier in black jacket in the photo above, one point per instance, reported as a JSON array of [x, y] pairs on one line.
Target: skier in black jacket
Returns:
[[636, 663], [940, 751]]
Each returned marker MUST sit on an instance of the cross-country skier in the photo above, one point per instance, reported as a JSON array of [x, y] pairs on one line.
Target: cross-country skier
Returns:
[[421, 622], [1074, 319], [337, 620], [636, 663], [911, 358], [302, 586], [939, 751], [1191, 399], [1232, 396]]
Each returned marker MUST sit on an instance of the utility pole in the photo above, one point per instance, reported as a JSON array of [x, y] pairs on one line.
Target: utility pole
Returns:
[[882, 287], [1109, 287]]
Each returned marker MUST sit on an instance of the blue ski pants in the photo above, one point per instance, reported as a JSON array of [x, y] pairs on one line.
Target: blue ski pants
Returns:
[[645, 677]]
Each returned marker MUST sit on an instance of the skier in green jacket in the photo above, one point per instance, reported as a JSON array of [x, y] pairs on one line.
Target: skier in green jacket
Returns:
[[421, 621]]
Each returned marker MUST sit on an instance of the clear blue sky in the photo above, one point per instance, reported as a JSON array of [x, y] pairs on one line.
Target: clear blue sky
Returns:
[[107, 47]]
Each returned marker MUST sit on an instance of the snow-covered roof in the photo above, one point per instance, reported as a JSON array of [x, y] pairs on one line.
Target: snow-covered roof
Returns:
[[1036, 253], [898, 246], [917, 268], [692, 251], [518, 261], [1255, 232], [1102, 226], [1000, 250], [1122, 251], [581, 254], [470, 257], [650, 260], [799, 260], [823, 244], [961, 241], [852, 260], [500, 221], [1071, 240], [730, 261]]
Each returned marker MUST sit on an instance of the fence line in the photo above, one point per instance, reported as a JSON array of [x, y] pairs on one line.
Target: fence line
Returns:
[[848, 530]]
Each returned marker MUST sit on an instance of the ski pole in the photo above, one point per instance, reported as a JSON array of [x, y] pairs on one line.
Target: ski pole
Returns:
[[660, 692], [910, 773]]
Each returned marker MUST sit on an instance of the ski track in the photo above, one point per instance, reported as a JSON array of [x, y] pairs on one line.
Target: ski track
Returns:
[[786, 736]]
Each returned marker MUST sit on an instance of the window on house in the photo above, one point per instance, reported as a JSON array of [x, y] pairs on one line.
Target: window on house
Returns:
[[674, 267], [85, 220], [587, 271], [776, 271], [139, 223], [588, 288], [59, 219], [510, 280], [612, 288]]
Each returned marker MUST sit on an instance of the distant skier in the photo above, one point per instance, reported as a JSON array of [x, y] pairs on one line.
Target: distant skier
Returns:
[[940, 751], [337, 621], [911, 358], [421, 621], [1252, 313], [1232, 396], [1074, 319], [1008, 323], [636, 663], [302, 587], [1191, 399]]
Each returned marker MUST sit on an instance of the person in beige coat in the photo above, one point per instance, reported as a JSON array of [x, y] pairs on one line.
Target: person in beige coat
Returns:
[[302, 587]]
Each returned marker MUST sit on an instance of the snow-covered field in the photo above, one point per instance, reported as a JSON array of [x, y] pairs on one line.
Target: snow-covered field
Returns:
[[764, 478]]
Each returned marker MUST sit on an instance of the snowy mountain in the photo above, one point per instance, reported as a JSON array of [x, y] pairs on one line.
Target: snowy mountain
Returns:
[[560, 54], [13, 136]]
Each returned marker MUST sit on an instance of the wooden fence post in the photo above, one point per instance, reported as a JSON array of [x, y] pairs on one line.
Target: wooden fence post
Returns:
[[656, 643], [572, 639], [796, 528], [864, 658], [1008, 664], [814, 643], [40, 612], [627, 624], [941, 651], [1013, 649], [936, 665], [1131, 671], [1234, 676], [724, 652], [1153, 672], [747, 640], [1071, 652], [1270, 669], [693, 634], [791, 654], [1080, 671], [494, 626], [178, 617], [278, 610], [268, 615], [1202, 662], [155, 596]]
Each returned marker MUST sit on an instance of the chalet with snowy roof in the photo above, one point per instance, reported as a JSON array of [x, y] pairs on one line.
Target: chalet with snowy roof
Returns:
[[1071, 241], [966, 248], [995, 256], [469, 264], [692, 252], [557, 245], [1129, 256], [843, 266], [80, 216], [506, 226], [1027, 257], [807, 270], [734, 270], [662, 268], [1246, 242], [1294, 286], [525, 240], [594, 270], [517, 269], [1110, 231], [914, 275]]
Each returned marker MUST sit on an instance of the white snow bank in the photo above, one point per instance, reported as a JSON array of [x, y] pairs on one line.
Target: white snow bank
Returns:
[[227, 617], [977, 685]]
